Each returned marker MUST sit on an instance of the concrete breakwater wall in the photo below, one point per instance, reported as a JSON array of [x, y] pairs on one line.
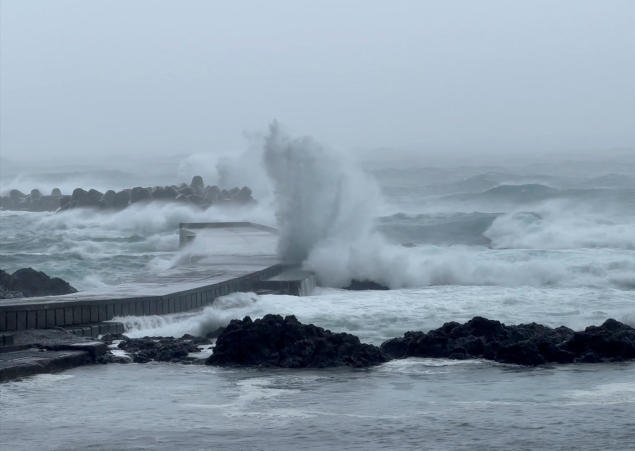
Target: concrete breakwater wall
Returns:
[[42, 313], [196, 193]]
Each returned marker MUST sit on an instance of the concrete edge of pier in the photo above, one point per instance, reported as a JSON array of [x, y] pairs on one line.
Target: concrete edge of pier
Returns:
[[15, 316]]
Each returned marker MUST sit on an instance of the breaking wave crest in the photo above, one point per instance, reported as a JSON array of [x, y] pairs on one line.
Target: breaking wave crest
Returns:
[[326, 210]]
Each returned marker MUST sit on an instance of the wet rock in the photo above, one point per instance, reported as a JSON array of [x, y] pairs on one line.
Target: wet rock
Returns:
[[5, 291], [109, 357], [83, 198], [524, 344], [109, 338], [121, 199], [139, 194], [164, 193], [244, 195], [94, 197], [195, 194], [184, 198], [65, 202], [108, 199], [30, 283], [274, 341], [211, 194], [79, 196], [197, 185], [359, 285], [16, 194], [185, 191], [162, 349], [16, 200], [35, 201], [612, 341]]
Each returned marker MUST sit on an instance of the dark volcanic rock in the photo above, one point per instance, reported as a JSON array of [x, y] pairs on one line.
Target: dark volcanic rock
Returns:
[[162, 349], [274, 341], [612, 341], [30, 282], [524, 344], [359, 285]]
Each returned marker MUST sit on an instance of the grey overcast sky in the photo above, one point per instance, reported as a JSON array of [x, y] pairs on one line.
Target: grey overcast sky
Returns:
[[89, 78]]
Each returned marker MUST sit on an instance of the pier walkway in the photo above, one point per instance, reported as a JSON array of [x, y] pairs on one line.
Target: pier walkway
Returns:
[[216, 260]]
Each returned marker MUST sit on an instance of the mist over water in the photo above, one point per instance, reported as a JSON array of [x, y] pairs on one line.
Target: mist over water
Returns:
[[476, 158], [398, 227]]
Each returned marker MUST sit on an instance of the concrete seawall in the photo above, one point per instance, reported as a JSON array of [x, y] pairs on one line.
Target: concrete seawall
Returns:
[[60, 311]]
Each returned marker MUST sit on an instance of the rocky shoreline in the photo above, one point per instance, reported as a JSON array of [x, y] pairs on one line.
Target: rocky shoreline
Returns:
[[284, 342], [196, 193], [524, 344]]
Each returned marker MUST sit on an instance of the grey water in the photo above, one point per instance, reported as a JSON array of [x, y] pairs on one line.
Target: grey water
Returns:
[[561, 255], [408, 404]]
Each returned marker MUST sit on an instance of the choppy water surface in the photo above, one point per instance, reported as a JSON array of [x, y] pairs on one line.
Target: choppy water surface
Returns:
[[557, 256], [409, 404]]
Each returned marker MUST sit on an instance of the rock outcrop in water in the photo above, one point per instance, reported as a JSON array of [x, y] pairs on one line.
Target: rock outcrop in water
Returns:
[[162, 349], [524, 344], [274, 341], [196, 193], [27, 282], [362, 285]]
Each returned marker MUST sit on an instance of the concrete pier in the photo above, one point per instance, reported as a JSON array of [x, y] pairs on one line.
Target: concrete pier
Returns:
[[234, 257], [70, 310], [45, 351], [292, 281]]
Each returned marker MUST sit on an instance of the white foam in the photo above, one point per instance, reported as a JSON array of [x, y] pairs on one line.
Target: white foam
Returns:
[[376, 316], [564, 225], [200, 323]]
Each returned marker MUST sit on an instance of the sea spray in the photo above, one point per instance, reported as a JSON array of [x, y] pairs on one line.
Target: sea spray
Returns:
[[198, 323], [326, 210], [319, 196]]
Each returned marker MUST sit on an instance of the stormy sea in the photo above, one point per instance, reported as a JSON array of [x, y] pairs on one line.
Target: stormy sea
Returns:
[[544, 243]]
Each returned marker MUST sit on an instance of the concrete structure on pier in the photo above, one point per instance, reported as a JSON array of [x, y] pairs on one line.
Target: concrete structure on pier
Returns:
[[233, 257]]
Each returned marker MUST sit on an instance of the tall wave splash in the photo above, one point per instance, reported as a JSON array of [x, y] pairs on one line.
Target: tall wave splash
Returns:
[[326, 210], [320, 199]]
